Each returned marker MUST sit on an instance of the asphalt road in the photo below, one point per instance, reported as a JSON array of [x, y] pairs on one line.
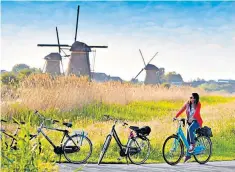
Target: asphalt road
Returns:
[[222, 166]]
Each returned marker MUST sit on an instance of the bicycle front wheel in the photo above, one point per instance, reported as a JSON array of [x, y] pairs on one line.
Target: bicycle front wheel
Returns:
[[173, 150], [77, 149], [138, 150], [105, 148], [203, 149]]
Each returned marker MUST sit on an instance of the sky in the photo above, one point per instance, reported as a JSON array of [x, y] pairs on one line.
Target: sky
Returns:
[[195, 39]]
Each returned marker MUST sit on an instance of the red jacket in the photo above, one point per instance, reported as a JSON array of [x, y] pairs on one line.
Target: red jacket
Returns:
[[196, 115]]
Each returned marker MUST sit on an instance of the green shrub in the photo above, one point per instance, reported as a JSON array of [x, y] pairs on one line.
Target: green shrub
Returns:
[[9, 78], [24, 158]]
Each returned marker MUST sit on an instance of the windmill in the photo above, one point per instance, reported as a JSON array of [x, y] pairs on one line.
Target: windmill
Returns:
[[151, 71], [53, 61], [79, 62]]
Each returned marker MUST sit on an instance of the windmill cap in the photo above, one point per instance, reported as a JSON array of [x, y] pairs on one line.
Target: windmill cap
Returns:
[[53, 56], [151, 67], [80, 46]]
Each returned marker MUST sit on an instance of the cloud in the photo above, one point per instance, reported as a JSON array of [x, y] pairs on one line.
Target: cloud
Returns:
[[214, 46]]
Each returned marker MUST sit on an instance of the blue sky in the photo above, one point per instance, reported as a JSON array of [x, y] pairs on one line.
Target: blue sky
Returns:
[[195, 39]]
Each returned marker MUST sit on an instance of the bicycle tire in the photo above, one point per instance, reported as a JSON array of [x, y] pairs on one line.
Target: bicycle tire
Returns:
[[129, 153], [210, 150], [105, 148], [181, 150], [66, 146]]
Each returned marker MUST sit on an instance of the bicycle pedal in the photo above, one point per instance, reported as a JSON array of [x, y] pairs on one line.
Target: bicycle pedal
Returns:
[[119, 159]]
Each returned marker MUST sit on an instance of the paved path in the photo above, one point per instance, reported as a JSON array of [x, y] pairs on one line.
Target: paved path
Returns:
[[222, 166]]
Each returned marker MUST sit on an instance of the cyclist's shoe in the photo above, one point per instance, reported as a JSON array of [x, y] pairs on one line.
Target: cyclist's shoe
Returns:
[[187, 158], [191, 148]]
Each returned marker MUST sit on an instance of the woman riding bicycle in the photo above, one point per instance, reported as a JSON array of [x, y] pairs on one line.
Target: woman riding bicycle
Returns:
[[194, 121]]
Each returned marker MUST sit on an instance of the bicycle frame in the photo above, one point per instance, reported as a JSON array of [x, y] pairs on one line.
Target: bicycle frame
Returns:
[[181, 136], [47, 138], [114, 134], [123, 148], [57, 149]]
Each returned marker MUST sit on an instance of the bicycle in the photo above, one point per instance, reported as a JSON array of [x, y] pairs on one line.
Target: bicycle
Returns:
[[13, 144], [77, 145], [176, 142], [13, 141], [135, 147]]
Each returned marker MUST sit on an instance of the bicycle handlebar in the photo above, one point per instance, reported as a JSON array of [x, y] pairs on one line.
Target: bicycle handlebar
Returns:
[[181, 120], [2, 120], [45, 119], [115, 119]]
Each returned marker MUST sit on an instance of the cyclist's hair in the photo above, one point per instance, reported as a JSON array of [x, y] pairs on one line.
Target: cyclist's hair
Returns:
[[196, 97]]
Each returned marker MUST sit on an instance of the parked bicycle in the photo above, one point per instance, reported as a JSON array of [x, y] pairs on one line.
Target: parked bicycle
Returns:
[[10, 142], [173, 147], [137, 149], [12, 137], [77, 148]]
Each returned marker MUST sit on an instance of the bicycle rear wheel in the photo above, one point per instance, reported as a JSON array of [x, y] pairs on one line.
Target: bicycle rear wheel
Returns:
[[173, 150], [138, 150], [105, 148], [77, 149], [203, 149]]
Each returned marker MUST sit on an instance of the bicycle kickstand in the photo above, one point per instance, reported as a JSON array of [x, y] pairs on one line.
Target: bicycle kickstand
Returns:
[[60, 159], [127, 162]]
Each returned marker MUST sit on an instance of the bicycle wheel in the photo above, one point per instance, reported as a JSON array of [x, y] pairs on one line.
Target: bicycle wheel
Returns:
[[77, 149], [138, 150], [105, 148], [203, 149], [173, 150]]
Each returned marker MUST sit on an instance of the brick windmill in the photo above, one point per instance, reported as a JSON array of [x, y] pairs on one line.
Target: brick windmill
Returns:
[[79, 62], [152, 72]]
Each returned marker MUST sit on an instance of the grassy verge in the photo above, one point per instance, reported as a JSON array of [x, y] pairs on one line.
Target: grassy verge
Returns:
[[218, 112]]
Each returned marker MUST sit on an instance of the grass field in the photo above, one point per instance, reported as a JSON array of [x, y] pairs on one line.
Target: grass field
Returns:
[[84, 104]]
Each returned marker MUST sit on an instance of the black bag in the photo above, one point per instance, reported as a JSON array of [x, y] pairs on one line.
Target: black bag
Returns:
[[204, 131], [145, 130]]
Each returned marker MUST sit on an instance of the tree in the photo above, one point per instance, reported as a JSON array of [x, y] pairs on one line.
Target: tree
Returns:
[[24, 73], [173, 77], [18, 67]]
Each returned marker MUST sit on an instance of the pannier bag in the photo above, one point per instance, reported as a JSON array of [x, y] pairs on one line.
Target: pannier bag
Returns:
[[204, 131], [145, 130]]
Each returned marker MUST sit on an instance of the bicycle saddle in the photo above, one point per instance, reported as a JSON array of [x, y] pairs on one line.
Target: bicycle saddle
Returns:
[[145, 130], [134, 128], [68, 124], [21, 122]]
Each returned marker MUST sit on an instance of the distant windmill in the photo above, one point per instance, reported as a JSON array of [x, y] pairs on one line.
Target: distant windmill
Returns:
[[152, 71], [54, 61], [79, 62]]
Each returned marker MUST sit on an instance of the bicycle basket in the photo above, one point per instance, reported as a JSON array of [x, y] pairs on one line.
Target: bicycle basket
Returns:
[[204, 131]]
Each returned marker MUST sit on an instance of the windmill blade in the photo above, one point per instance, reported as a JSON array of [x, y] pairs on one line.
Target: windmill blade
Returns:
[[94, 46], [58, 39], [139, 73], [152, 58], [53, 45], [77, 24], [142, 57]]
